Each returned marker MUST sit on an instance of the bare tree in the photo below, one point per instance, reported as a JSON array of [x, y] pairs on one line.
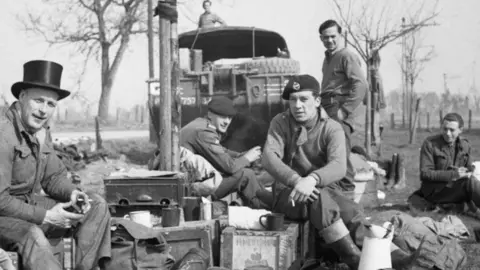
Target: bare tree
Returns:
[[99, 29], [416, 56]]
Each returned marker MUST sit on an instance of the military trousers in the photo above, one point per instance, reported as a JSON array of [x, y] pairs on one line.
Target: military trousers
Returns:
[[462, 190], [331, 207], [246, 184], [31, 241]]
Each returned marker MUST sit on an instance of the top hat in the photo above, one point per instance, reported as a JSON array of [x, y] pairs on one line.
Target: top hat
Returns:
[[41, 74]]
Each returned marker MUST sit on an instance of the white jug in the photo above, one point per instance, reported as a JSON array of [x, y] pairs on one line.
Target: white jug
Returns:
[[376, 248]]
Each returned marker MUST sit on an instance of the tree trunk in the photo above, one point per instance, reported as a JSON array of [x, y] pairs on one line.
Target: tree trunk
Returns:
[[104, 102], [413, 130]]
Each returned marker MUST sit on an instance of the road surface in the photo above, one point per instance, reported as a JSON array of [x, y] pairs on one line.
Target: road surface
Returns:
[[106, 135]]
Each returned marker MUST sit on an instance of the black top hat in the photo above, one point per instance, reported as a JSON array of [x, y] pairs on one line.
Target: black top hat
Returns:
[[41, 74]]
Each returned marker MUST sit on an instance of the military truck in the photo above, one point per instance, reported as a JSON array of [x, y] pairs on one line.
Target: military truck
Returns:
[[249, 65]]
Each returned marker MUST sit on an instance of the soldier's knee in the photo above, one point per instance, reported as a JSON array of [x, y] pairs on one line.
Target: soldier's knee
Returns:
[[35, 234]]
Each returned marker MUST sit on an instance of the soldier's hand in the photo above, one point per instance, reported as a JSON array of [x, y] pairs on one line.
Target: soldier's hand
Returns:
[[253, 154], [305, 190], [59, 217], [463, 172]]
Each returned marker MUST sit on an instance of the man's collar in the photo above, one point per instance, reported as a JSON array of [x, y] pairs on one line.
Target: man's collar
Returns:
[[330, 54]]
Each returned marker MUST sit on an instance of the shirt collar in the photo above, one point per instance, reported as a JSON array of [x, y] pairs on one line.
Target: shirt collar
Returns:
[[330, 54]]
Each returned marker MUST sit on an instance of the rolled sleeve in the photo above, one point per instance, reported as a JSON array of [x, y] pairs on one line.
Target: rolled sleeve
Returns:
[[274, 151], [336, 167]]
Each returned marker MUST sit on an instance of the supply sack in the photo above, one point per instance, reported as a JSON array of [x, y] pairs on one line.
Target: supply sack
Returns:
[[137, 247]]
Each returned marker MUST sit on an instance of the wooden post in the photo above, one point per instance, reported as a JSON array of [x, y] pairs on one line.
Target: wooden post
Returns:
[[151, 69], [142, 114], [98, 138], [118, 115], [392, 121], [368, 134], [413, 130], [165, 123], [469, 119], [428, 122], [419, 126], [440, 114], [66, 114], [176, 98]]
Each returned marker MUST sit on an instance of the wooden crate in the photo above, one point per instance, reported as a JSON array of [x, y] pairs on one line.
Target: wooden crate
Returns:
[[244, 249], [182, 238], [215, 227]]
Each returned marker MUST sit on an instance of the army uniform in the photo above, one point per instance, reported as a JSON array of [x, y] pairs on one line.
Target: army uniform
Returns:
[[438, 162], [202, 138], [317, 149]]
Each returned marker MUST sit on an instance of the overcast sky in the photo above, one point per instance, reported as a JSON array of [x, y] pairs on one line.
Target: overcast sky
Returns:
[[456, 41]]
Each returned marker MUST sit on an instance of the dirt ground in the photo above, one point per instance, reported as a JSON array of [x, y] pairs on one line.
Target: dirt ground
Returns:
[[135, 153]]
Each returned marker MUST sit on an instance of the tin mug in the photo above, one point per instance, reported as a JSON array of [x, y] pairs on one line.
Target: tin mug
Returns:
[[140, 217], [274, 221], [170, 217]]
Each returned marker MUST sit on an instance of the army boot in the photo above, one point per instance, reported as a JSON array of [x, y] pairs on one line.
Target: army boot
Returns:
[[400, 177], [348, 252], [392, 172]]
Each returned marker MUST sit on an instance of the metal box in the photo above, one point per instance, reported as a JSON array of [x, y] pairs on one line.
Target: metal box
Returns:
[[151, 193], [269, 250]]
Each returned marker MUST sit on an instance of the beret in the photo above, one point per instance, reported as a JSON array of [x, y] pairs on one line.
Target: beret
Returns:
[[222, 106], [299, 83]]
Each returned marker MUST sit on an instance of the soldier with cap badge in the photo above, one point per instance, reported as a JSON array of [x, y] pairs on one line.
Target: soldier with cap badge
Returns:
[[28, 164], [202, 137], [305, 152]]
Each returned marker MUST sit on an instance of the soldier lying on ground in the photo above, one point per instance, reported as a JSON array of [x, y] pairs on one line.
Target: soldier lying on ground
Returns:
[[446, 166], [306, 154], [29, 164], [202, 137]]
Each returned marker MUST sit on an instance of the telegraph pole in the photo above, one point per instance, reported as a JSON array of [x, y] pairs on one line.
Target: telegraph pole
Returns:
[[404, 87], [151, 69], [176, 98]]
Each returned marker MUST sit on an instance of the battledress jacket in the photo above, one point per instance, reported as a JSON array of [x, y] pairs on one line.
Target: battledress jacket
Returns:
[[437, 158], [202, 138], [290, 153], [26, 168]]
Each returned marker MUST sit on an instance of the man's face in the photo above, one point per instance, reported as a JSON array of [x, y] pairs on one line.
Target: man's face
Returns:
[[37, 107], [220, 122], [303, 105], [330, 38], [207, 6], [450, 131]]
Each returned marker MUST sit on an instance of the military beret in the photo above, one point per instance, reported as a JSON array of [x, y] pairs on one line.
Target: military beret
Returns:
[[222, 106], [299, 83]]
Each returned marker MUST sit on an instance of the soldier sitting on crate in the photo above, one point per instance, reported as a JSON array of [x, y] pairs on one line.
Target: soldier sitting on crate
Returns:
[[29, 164], [202, 137], [305, 153], [446, 166]]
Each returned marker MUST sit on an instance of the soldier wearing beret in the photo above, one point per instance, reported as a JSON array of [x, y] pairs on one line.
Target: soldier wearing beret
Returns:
[[28, 164], [343, 83], [306, 154], [446, 166], [202, 137]]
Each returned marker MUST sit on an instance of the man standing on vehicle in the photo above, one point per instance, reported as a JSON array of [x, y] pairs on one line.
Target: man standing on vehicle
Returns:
[[343, 84], [202, 137], [28, 164], [305, 152], [208, 18]]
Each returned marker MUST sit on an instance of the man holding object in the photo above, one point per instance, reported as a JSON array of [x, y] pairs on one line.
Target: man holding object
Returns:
[[29, 164]]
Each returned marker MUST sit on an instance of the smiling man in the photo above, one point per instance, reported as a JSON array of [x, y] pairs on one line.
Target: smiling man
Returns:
[[29, 164], [305, 153], [446, 166], [202, 137], [343, 83]]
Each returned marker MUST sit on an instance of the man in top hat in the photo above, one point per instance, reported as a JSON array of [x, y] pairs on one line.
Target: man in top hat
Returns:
[[202, 137], [305, 152], [343, 83], [28, 164]]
